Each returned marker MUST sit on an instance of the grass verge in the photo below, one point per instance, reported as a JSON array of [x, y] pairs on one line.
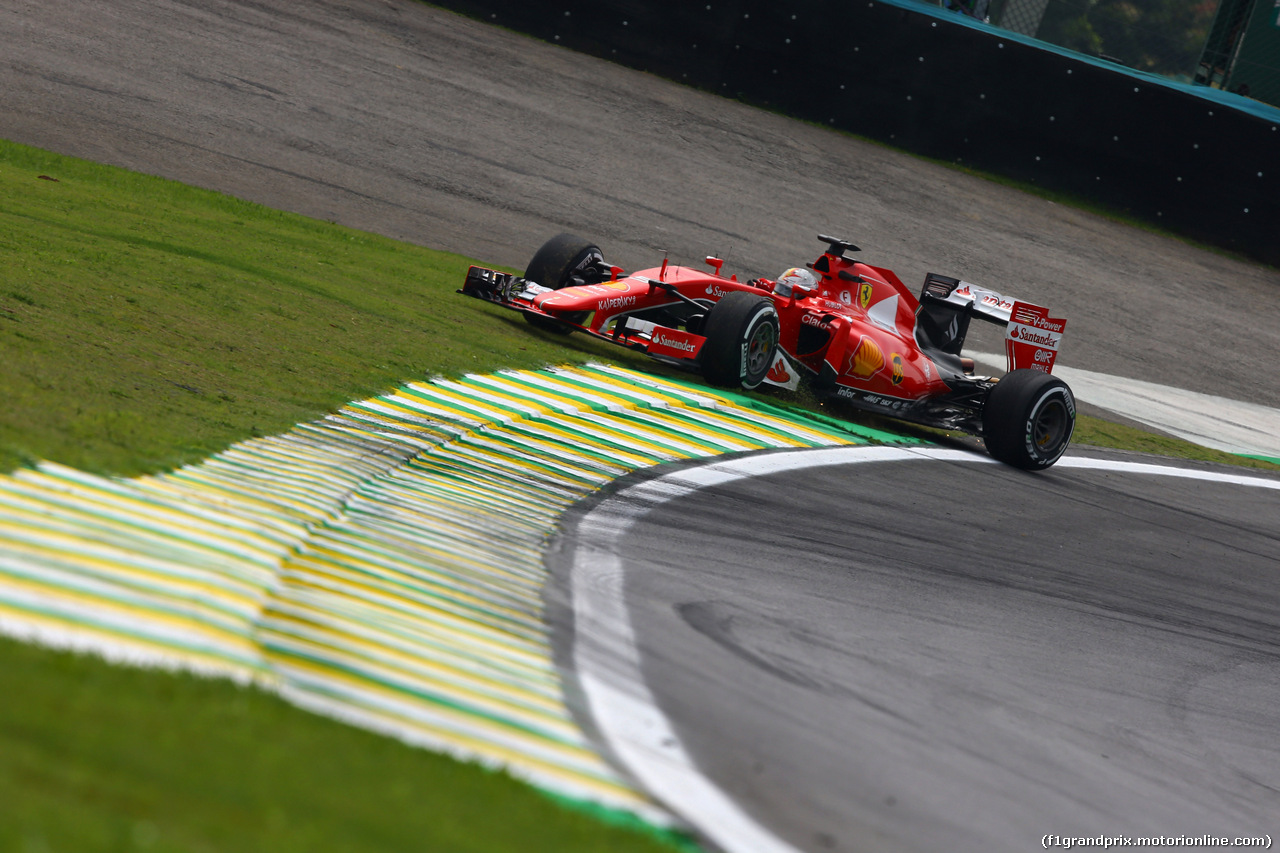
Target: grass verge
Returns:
[[145, 324], [99, 757]]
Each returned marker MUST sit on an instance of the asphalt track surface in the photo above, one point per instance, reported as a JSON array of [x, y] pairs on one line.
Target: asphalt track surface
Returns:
[[929, 654], [954, 656]]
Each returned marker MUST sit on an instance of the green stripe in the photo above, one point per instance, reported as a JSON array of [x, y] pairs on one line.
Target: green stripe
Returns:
[[540, 673], [400, 595], [279, 649], [584, 402], [422, 667], [104, 626]]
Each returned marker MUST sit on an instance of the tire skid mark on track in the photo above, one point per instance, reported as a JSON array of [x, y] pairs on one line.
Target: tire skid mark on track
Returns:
[[383, 565]]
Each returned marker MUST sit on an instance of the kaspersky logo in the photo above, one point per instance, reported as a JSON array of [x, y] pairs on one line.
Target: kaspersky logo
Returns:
[[615, 302]]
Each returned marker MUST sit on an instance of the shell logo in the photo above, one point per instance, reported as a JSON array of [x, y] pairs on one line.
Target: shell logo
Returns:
[[865, 360]]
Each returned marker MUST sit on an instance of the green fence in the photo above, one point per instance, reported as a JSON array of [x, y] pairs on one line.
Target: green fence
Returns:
[[1226, 44], [1242, 53]]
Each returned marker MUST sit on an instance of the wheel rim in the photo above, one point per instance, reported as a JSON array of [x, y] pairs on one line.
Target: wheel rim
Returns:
[[760, 347], [1050, 427], [587, 260]]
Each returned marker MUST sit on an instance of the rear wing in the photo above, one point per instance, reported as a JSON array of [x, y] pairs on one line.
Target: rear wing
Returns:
[[947, 304]]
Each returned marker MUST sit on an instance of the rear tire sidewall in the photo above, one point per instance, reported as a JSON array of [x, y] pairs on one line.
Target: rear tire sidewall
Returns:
[[553, 266], [1029, 419], [742, 341]]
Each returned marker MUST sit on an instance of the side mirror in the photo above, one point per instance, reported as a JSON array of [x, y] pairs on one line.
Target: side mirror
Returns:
[[792, 291]]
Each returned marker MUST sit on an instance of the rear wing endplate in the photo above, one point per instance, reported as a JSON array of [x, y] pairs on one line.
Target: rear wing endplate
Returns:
[[1031, 335]]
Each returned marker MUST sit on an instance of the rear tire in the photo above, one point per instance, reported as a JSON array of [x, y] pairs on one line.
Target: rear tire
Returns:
[[1028, 419], [742, 340], [560, 261]]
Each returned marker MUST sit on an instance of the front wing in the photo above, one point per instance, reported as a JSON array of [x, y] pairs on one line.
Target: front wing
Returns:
[[512, 291]]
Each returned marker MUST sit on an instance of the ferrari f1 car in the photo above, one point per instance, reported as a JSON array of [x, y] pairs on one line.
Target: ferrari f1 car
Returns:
[[849, 330]]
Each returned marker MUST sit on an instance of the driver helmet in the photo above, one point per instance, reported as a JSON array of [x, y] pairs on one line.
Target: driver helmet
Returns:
[[792, 278]]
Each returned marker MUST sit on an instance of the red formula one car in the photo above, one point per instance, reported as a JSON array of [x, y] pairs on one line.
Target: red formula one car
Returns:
[[850, 330]]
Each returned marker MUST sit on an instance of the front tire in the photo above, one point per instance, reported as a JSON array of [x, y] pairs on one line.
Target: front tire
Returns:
[[742, 341], [1028, 419], [564, 260]]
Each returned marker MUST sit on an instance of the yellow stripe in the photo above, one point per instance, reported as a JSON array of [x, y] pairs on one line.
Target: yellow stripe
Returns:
[[519, 396], [155, 525], [462, 721], [156, 584], [625, 459], [416, 406], [475, 400], [384, 663], [669, 445], [68, 599], [533, 667], [350, 562], [18, 622], [501, 634]]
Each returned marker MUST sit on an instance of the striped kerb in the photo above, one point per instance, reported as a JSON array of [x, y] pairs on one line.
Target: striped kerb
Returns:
[[382, 565]]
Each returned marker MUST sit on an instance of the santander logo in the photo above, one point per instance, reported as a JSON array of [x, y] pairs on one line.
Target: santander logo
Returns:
[[717, 291], [1048, 340], [659, 339]]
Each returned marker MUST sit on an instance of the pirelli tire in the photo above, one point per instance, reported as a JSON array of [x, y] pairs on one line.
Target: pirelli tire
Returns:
[[742, 341], [560, 260], [1028, 419]]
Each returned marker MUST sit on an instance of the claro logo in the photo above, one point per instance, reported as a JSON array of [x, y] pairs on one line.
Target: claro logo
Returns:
[[815, 321], [615, 302]]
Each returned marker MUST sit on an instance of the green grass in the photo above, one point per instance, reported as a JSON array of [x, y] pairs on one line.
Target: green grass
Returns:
[[145, 325], [99, 757], [1102, 433]]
